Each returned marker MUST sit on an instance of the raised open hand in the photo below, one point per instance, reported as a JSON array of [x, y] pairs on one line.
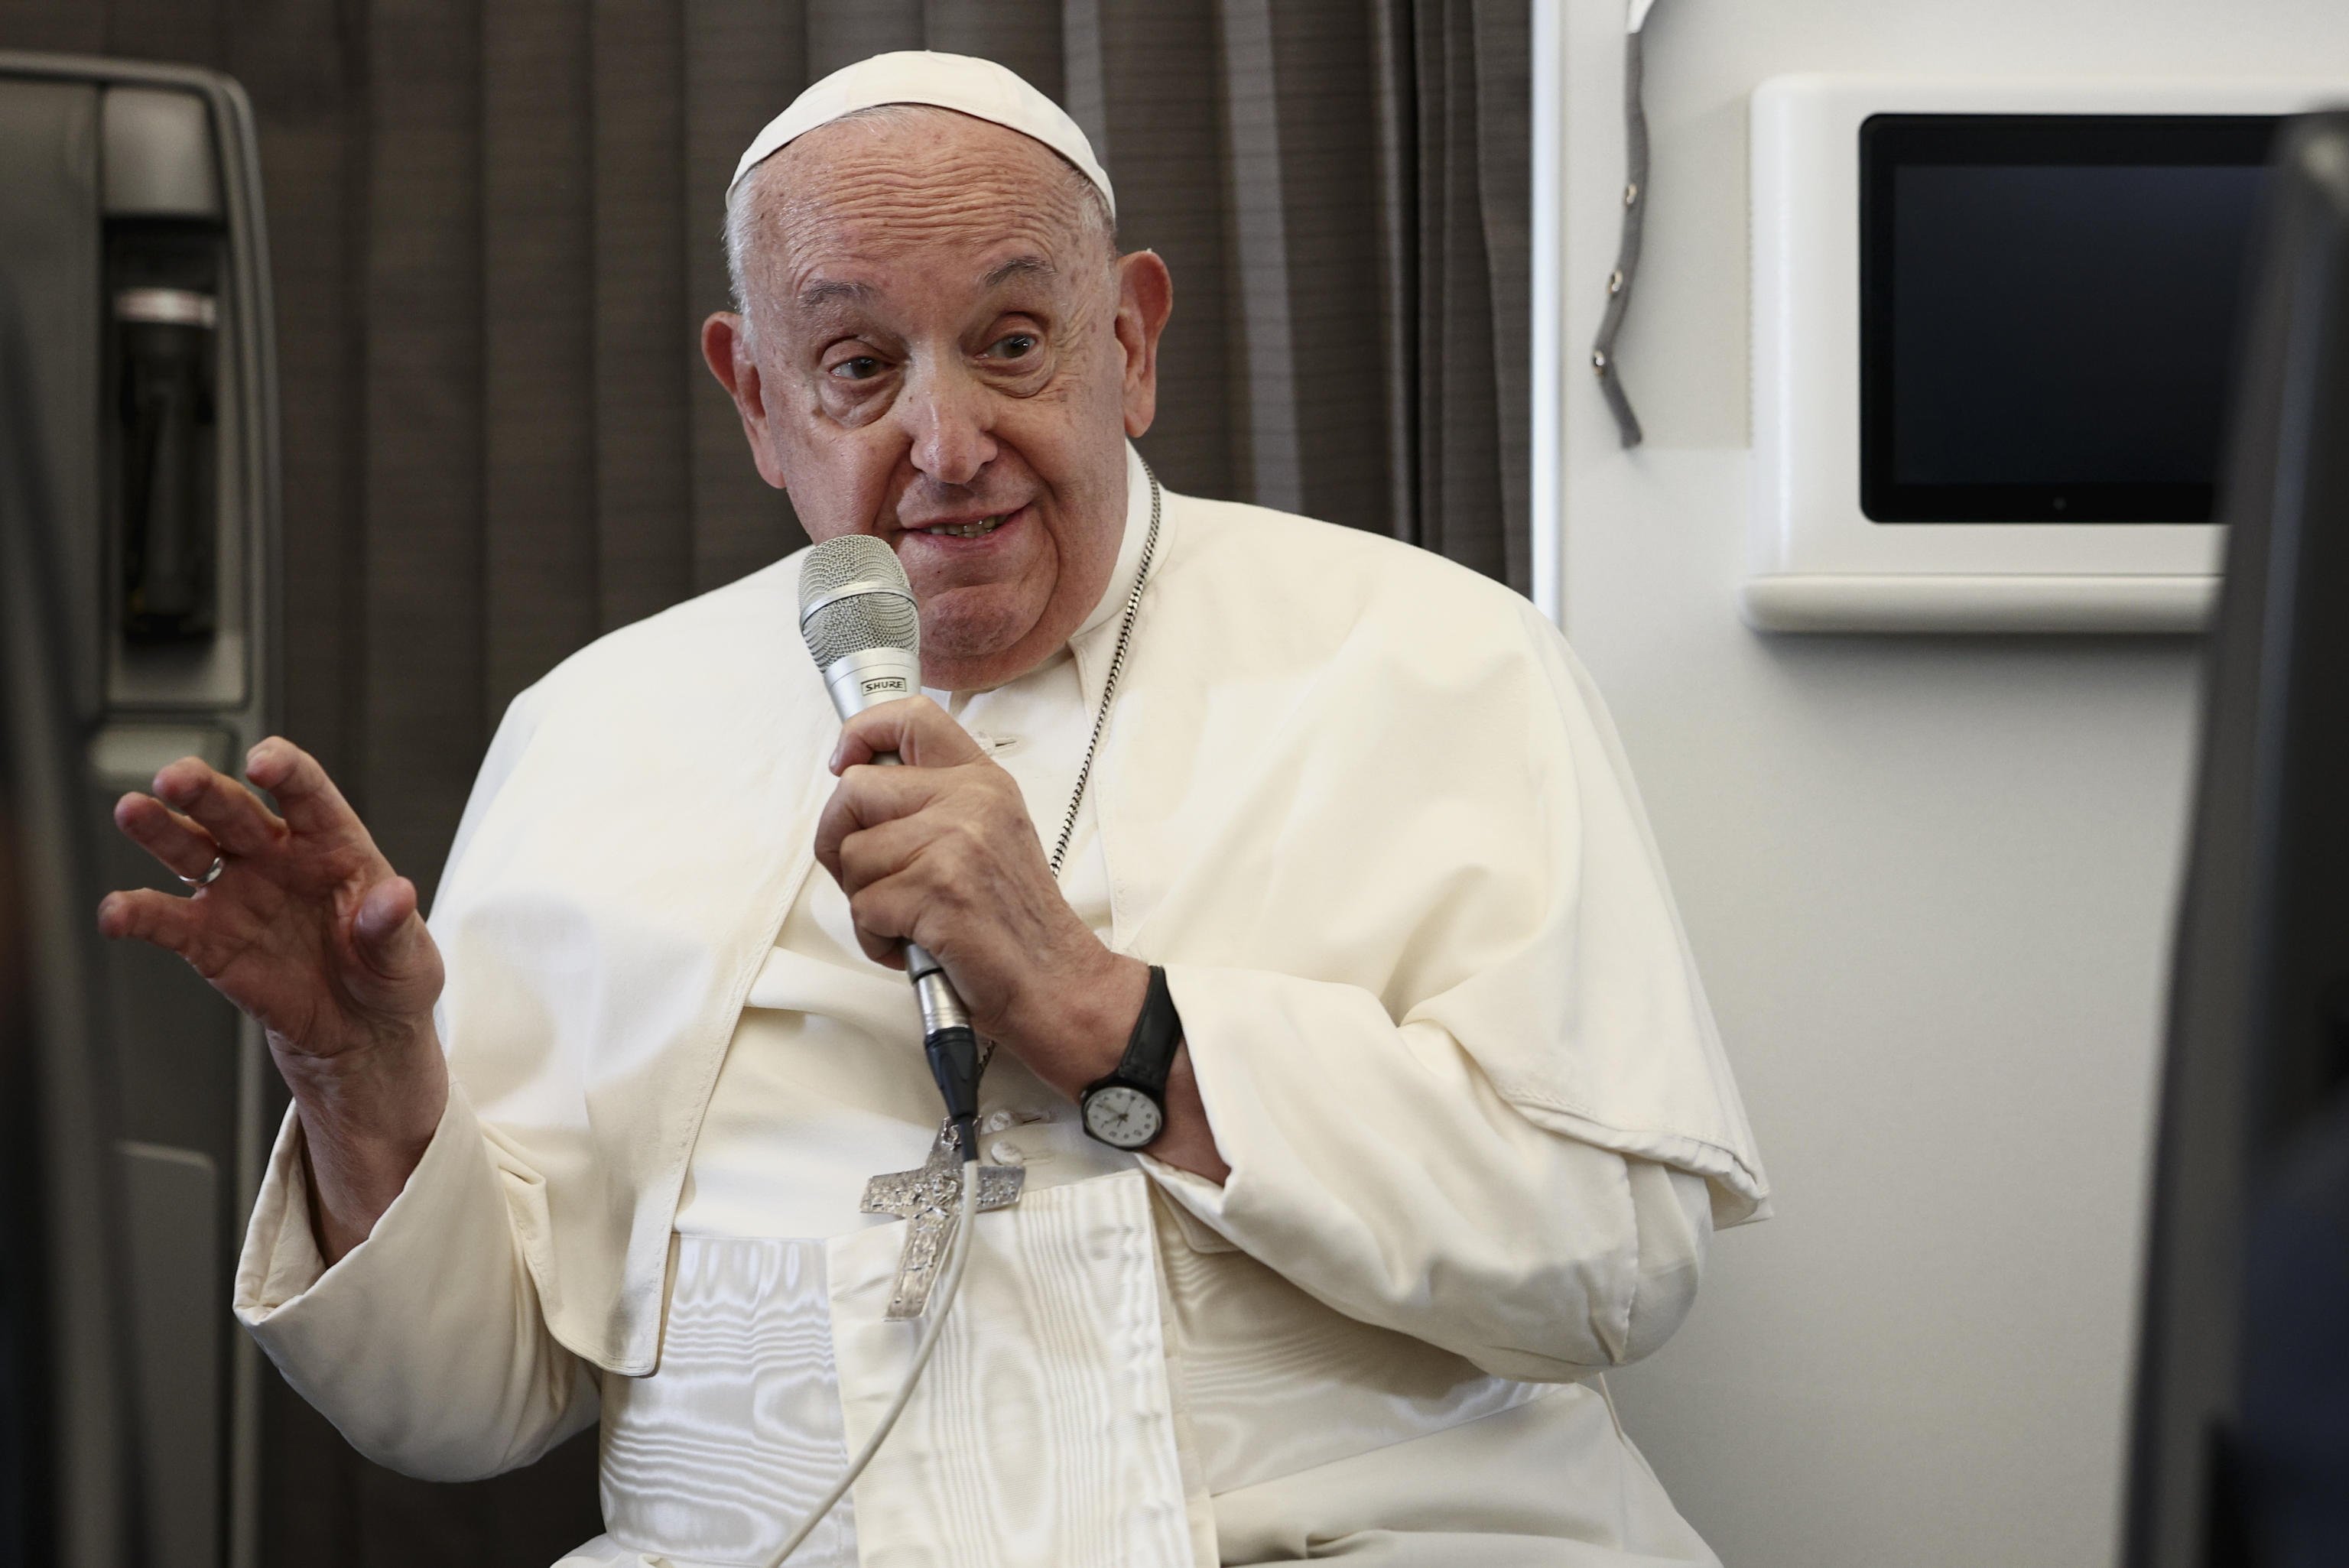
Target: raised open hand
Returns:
[[307, 927]]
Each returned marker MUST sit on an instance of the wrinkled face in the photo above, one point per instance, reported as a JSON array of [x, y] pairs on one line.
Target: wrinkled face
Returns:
[[945, 352]]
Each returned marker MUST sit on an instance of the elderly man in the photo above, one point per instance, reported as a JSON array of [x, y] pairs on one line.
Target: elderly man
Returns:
[[1347, 895]]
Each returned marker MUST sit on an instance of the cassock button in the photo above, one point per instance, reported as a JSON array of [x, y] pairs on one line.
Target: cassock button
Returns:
[[1003, 1152]]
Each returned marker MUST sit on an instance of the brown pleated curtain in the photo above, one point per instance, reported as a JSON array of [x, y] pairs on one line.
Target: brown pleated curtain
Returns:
[[494, 233]]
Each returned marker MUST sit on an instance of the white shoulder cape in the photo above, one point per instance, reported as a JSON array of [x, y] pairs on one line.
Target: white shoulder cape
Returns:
[[1341, 769]]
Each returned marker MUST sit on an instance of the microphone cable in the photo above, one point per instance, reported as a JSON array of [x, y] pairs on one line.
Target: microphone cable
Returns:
[[949, 1284]]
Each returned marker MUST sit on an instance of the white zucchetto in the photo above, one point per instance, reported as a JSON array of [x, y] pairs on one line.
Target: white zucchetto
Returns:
[[981, 88]]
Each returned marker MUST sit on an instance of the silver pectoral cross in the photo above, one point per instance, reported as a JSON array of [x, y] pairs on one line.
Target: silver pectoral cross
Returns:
[[927, 1200]]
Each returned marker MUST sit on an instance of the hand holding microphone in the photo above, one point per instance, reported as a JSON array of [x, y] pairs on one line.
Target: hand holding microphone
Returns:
[[939, 858]]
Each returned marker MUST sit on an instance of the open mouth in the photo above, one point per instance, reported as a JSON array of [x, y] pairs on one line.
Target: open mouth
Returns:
[[984, 526], [975, 528]]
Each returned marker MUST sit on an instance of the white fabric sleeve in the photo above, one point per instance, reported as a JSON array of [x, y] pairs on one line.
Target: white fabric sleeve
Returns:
[[1378, 1171], [424, 1344]]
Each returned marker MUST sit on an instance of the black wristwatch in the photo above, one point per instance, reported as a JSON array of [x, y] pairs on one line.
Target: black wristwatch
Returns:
[[1127, 1109]]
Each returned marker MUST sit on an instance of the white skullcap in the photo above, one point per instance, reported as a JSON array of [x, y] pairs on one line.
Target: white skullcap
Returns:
[[959, 82]]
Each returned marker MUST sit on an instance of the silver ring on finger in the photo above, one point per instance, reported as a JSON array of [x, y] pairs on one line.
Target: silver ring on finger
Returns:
[[211, 873]]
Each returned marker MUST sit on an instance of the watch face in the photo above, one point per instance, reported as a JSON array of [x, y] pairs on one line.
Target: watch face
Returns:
[[1122, 1117]]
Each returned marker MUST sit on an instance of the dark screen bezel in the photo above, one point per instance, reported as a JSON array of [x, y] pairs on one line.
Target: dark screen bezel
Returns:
[[1888, 142]]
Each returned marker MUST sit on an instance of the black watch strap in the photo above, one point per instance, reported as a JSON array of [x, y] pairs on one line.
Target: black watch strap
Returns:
[[1150, 1050]]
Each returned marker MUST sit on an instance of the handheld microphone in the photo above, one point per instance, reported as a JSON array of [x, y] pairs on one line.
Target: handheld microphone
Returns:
[[864, 631]]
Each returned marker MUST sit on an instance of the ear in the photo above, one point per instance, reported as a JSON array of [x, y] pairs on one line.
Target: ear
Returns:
[[1145, 299], [726, 348]]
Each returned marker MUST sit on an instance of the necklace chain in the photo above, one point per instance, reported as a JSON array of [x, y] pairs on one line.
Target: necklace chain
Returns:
[[1109, 685], [1101, 715]]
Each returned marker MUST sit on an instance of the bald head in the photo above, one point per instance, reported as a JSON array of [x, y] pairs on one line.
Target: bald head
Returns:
[[762, 207]]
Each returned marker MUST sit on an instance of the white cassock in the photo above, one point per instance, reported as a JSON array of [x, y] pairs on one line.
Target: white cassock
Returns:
[[1365, 809]]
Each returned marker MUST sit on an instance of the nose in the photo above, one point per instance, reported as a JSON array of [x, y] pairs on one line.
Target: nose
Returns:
[[947, 418]]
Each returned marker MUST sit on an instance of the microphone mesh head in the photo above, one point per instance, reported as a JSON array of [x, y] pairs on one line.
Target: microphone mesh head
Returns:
[[885, 617], [851, 558]]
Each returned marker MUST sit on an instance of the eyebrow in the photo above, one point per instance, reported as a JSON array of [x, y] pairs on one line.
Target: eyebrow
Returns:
[[825, 290], [1019, 266]]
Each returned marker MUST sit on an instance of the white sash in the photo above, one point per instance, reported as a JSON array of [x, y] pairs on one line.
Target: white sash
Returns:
[[1043, 1432], [715, 1457]]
